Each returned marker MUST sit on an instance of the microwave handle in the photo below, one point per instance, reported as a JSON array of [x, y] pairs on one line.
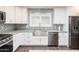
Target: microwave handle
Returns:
[[4, 15]]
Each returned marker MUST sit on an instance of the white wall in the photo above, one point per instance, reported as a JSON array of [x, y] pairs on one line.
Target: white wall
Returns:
[[73, 11], [2, 8]]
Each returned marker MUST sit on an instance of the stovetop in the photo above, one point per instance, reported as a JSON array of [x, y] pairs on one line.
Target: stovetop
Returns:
[[4, 36], [5, 39]]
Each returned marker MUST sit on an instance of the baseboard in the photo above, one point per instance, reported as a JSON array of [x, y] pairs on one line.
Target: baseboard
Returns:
[[33, 45], [43, 46], [62, 45], [52, 45]]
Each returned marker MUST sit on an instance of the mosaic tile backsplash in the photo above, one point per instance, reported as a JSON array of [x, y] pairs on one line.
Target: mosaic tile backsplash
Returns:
[[6, 27]]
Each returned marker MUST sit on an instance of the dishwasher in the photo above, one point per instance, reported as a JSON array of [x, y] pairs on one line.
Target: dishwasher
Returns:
[[53, 39]]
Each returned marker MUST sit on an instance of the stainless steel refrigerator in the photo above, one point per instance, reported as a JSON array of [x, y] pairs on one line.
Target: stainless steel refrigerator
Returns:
[[74, 32]]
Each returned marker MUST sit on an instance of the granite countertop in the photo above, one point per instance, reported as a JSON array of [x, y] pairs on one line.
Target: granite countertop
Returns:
[[58, 31], [15, 32], [25, 31]]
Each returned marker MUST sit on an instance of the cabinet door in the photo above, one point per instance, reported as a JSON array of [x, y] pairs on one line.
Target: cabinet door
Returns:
[[36, 41], [26, 38], [44, 41], [60, 15], [63, 39], [15, 44], [10, 14], [16, 41], [21, 15]]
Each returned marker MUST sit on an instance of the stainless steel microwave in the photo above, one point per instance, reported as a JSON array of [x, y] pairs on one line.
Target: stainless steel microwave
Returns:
[[2, 16]]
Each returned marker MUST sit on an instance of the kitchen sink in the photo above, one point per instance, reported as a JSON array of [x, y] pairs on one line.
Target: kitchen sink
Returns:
[[40, 33]]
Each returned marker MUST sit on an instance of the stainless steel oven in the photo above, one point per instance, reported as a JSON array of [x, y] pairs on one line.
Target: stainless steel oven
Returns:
[[6, 43]]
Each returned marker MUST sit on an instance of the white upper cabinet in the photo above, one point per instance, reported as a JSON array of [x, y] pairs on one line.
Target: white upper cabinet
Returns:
[[10, 14], [60, 15], [16, 15], [21, 15], [40, 17]]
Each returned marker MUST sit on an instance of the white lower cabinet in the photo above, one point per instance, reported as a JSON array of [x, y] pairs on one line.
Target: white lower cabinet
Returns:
[[44, 41], [40, 41], [16, 41], [27, 41], [36, 41], [63, 39], [21, 39], [26, 38]]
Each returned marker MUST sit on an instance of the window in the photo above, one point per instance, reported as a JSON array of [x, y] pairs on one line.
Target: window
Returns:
[[40, 17]]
